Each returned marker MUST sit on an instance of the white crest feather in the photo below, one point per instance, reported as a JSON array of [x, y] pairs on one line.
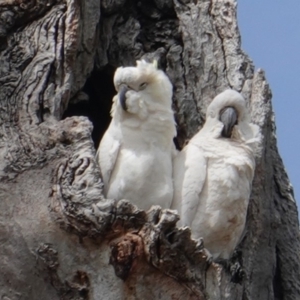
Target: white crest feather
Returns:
[[135, 154], [155, 63]]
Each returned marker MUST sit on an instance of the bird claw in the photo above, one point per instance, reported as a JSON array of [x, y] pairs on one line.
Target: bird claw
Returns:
[[233, 267]]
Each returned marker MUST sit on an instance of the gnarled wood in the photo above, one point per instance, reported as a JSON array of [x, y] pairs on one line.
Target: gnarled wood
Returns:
[[60, 239]]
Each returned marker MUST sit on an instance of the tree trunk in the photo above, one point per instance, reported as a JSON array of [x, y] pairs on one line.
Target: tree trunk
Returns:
[[60, 239]]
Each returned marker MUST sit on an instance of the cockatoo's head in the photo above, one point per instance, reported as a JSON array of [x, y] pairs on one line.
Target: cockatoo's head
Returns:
[[146, 79], [229, 108]]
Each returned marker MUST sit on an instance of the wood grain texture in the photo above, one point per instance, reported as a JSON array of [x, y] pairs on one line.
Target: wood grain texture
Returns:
[[60, 239]]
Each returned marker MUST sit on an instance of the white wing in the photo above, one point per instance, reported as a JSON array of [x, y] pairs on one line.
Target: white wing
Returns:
[[189, 177], [106, 156]]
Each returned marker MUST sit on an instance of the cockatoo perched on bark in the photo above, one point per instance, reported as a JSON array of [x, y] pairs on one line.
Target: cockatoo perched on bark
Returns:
[[213, 175], [135, 153]]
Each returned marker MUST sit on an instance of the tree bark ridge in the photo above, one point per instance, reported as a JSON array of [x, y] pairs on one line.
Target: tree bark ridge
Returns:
[[57, 230]]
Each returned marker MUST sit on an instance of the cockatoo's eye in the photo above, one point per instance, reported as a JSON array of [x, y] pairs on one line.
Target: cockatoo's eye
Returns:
[[142, 85]]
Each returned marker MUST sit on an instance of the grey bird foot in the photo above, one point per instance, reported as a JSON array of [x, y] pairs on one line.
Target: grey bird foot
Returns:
[[233, 267]]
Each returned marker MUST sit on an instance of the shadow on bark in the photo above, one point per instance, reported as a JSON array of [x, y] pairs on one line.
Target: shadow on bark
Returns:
[[60, 239]]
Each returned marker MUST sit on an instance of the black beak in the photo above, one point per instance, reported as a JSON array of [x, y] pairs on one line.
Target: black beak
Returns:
[[229, 117], [122, 96]]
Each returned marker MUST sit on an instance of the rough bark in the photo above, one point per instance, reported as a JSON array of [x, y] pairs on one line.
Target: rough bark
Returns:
[[60, 239]]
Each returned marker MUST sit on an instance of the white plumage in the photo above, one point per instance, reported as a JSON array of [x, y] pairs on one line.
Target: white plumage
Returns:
[[135, 153], [213, 175]]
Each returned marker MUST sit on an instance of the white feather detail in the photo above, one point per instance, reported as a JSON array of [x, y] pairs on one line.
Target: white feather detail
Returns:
[[136, 152], [213, 177]]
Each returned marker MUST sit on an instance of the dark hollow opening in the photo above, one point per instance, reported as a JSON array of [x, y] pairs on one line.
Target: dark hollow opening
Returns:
[[100, 90]]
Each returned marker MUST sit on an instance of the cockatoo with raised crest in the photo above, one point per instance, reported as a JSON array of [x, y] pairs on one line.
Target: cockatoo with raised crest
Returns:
[[213, 175], [135, 153]]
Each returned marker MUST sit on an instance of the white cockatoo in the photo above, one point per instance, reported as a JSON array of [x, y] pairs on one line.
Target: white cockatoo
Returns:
[[213, 175], [135, 153]]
